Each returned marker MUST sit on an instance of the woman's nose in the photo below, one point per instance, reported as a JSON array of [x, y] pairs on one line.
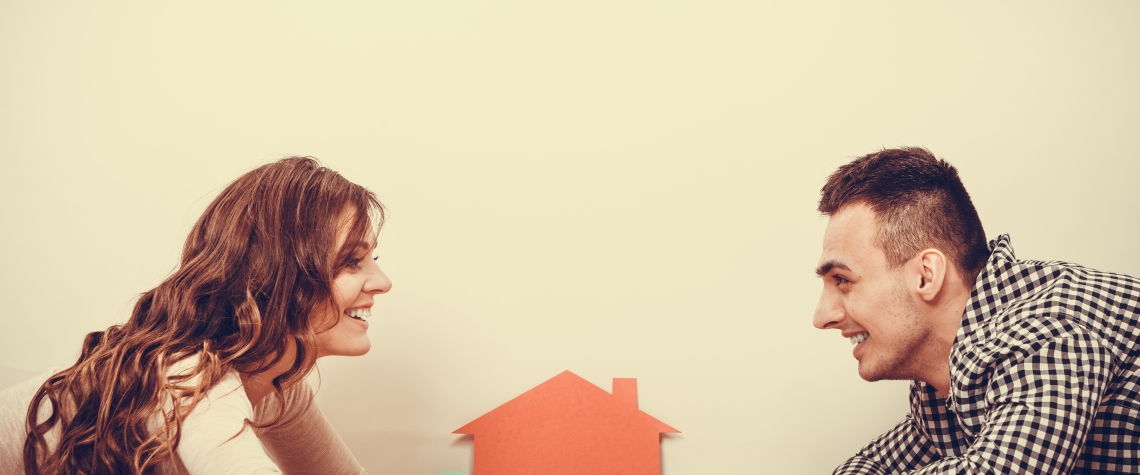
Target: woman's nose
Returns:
[[378, 282]]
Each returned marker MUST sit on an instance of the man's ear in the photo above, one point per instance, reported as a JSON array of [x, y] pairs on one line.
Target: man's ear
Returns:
[[931, 266]]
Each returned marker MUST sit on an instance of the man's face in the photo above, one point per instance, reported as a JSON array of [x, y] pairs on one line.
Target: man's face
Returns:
[[868, 301]]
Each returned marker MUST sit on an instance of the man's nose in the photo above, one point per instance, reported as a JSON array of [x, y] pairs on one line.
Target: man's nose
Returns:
[[828, 312]]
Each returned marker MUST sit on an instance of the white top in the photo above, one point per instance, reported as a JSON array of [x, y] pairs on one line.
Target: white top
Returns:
[[306, 443]]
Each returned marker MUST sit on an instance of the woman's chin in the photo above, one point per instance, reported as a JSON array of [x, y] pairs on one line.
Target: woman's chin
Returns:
[[363, 350], [357, 349]]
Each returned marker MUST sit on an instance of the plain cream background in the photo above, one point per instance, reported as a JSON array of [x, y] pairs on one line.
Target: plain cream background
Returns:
[[622, 189]]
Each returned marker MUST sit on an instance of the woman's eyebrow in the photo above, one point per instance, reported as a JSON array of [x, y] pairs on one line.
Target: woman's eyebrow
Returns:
[[364, 246]]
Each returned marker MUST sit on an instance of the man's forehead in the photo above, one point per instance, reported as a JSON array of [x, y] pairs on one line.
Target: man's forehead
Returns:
[[849, 240]]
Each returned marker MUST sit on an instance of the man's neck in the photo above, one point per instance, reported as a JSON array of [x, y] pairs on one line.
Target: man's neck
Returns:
[[947, 313]]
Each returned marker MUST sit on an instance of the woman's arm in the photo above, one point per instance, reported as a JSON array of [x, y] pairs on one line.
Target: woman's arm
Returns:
[[306, 442]]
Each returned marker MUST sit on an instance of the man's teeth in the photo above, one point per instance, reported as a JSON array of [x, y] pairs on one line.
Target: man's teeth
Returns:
[[855, 340], [361, 313]]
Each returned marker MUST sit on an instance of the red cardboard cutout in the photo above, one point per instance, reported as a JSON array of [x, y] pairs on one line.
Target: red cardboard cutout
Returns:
[[567, 426]]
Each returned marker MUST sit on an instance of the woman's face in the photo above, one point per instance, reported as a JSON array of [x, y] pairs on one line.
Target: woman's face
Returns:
[[353, 290]]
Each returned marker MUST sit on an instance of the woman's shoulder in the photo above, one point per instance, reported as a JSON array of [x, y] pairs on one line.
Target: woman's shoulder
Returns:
[[14, 400], [14, 403], [28, 385]]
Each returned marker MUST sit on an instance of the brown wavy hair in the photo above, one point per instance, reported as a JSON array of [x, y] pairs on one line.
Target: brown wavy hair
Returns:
[[257, 264]]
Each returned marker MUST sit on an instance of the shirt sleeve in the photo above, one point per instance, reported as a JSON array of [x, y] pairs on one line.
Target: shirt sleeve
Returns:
[[306, 443], [1041, 409], [900, 447], [908, 445]]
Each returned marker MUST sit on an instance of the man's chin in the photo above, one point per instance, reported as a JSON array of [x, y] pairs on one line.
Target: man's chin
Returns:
[[869, 373], [868, 377]]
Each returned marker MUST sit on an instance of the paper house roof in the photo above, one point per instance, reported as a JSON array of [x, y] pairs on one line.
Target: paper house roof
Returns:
[[567, 425]]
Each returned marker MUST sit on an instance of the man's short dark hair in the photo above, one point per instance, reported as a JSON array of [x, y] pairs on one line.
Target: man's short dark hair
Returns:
[[919, 203]]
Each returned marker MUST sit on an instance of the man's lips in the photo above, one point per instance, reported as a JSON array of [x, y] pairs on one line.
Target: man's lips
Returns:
[[858, 340]]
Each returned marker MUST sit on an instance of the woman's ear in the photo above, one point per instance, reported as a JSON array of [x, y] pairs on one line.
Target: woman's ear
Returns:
[[932, 270]]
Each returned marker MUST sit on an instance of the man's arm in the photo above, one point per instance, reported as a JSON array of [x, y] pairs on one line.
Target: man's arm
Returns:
[[900, 449], [1041, 409], [910, 445]]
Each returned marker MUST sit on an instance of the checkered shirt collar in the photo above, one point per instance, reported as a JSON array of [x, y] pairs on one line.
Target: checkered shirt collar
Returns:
[[993, 288]]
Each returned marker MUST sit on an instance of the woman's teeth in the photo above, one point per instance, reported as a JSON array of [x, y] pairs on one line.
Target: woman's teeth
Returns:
[[855, 340], [361, 313]]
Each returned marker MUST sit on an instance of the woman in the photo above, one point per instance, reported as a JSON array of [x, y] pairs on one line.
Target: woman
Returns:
[[210, 367]]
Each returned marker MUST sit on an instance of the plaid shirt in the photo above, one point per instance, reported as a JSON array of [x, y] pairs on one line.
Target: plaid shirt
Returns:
[[1044, 378]]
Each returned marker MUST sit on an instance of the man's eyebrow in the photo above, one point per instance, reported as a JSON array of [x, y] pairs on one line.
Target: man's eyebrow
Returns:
[[826, 267]]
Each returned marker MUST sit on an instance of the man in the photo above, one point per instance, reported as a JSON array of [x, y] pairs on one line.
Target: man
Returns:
[[1017, 366]]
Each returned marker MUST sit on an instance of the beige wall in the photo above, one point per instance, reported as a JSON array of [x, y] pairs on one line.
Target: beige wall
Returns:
[[616, 188]]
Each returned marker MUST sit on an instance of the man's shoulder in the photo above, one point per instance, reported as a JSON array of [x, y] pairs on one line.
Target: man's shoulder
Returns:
[[1021, 305], [1050, 299], [1031, 299]]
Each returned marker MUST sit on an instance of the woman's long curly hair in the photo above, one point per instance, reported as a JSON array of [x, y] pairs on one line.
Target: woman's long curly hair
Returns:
[[257, 264]]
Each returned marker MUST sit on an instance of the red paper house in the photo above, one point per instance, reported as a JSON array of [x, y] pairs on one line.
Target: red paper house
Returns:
[[568, 426]]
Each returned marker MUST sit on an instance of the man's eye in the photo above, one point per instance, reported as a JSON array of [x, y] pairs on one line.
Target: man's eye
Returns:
[[839, 280]]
